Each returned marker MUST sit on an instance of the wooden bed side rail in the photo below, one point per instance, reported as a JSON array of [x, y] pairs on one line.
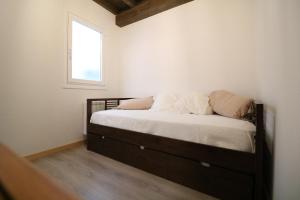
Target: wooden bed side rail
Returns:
[[19, 180]]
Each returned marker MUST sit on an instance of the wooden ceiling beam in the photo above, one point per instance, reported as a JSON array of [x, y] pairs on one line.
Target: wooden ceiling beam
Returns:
[[108, 6], [130, 3], [146, 9]]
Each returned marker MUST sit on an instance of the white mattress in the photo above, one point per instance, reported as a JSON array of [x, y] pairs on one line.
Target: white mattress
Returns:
[[205, 129]]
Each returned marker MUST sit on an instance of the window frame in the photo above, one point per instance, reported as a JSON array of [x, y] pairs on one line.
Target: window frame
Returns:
[[81, 83]]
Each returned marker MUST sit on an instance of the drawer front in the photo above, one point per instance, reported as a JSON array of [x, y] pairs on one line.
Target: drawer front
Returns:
[[226, 158], [204, 177]]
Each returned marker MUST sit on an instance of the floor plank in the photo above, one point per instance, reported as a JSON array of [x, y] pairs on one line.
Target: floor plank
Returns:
[[95, 177]]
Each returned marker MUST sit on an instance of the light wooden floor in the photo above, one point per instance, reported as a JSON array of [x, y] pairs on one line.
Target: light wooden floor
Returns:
[[95, 177]]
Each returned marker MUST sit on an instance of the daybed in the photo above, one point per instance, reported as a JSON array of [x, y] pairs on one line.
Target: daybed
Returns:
[[227, 170]]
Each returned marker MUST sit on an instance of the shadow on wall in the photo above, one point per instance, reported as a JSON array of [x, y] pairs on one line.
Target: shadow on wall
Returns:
[[270, 120]]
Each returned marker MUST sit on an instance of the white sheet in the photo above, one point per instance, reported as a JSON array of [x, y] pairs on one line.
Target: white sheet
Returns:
[[205, 129]]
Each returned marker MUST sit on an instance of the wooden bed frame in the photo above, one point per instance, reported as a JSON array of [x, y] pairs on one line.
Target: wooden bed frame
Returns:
[[223, 173]]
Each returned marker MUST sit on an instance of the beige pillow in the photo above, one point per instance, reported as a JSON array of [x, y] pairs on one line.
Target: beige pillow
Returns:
[[228, 104], [136, 104]]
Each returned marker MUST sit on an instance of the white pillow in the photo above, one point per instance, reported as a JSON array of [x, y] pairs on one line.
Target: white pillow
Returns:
[[194, 103], [164, 102]]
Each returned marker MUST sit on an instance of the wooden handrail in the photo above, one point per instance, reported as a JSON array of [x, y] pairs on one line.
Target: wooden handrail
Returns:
[[23, 181]]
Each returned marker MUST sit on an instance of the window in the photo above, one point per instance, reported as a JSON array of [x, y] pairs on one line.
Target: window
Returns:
[[84, 53]]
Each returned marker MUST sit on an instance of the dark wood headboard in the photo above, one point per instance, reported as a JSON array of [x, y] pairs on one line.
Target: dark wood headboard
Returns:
[[108, 103]]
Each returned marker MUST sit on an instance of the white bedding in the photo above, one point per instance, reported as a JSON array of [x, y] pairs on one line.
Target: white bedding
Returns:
[[212, 130]]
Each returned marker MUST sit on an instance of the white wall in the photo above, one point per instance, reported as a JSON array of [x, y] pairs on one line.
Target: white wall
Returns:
[[278, 70], [203, 45], [36, 113], [249, 47]]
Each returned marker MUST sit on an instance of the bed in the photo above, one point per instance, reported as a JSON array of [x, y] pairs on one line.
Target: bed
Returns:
[[212, 154]]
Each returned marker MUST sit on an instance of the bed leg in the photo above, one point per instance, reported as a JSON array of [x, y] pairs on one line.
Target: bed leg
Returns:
[[260, 137]]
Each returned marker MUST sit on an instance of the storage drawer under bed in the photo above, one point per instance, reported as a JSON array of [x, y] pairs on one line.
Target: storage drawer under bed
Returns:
[[229, 159], [214, 180]]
